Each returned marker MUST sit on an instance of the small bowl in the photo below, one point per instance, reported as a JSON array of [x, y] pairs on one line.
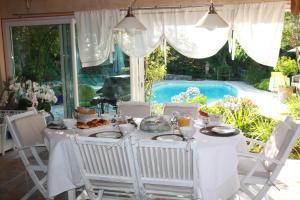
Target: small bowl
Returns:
[[126, 128], [69, 123]]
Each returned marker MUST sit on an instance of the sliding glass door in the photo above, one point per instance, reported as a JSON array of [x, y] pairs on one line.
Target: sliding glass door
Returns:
[[41, 51]]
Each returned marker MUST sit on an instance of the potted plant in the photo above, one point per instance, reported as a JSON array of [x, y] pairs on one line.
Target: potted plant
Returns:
[[288, 67], [284, 91]]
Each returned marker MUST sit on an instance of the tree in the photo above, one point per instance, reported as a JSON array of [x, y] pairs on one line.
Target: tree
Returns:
[[291, 34], [36, 51], [155, 70]]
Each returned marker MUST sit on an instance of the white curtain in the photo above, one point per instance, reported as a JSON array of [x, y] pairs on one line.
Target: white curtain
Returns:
[[139, 44], [177, 26], [95, 35], [182, 34], [258, 29]]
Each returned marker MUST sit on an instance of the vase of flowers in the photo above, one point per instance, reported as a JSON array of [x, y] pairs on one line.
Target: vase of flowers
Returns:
[[20, 95]]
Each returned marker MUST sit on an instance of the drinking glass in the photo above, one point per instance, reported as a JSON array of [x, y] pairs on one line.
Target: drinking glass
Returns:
[[205, 121]]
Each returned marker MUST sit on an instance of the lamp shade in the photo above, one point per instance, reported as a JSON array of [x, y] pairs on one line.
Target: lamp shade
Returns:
[[130, 23], [211, 20]]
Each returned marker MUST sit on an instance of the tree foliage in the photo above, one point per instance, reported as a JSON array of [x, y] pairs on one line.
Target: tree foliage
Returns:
[[291, 34], [155, 70], [287, 66], [36, 51]]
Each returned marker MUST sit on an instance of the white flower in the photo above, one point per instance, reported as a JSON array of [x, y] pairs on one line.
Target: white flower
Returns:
[[193, 91], [17, 86], [28, 82], [11, 87]]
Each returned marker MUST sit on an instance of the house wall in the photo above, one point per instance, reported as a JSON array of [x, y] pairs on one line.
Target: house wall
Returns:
[[2, 61]]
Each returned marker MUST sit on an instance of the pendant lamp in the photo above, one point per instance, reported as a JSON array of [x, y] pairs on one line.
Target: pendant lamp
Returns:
[[211, 20], [130, 23]]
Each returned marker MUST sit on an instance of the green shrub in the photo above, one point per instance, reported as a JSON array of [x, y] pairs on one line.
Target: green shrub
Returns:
[[243, 114], [86, 93], [155, 70], [238, 112], [263, 85], [287, 66], [294, 106], [256, 73]]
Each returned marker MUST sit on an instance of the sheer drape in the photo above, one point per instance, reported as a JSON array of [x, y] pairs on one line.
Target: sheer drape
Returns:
[[139, 44], [182, 34], [257, 27], [177, 26], [95, 35]]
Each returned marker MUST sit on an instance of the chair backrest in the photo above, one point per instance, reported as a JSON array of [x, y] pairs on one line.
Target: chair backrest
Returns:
[[26, 128], [162, 163], [189, 108], [280, 143], [105, 160], [134, 109]]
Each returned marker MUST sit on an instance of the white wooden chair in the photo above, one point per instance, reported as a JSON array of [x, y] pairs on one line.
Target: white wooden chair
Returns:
[[165, 170], [259, 171], [189, 108], [107, 168], [26, 129], [134, 109]]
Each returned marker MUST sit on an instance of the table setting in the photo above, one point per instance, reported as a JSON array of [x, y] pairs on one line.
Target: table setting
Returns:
[[214, 140]]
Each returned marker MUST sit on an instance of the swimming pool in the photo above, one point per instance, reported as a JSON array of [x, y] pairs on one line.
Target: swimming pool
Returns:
[[214, 90]]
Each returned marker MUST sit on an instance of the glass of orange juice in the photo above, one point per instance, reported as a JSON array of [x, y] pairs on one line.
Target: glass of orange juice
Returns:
[[184, 120]]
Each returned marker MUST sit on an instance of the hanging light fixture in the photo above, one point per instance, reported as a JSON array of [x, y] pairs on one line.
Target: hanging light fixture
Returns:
[[211, 20], [130, 23]]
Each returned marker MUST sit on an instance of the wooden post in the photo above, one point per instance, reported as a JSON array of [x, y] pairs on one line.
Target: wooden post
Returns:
[[295, 6]]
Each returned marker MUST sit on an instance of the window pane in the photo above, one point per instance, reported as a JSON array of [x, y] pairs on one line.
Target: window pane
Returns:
[[105, 84]]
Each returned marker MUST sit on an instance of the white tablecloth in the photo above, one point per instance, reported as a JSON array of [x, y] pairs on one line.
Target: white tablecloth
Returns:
[[217, 176]]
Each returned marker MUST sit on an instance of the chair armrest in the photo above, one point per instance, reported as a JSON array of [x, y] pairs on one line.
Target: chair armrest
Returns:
[[259, 157], [253, 141]]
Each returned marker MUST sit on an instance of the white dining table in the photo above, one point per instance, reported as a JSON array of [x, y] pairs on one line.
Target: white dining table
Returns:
[[217, 176]]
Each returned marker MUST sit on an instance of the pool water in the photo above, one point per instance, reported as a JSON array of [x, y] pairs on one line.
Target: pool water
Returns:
[[213, 90]]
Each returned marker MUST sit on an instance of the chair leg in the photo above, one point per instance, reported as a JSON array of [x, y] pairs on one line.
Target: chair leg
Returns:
[[28, 194], [71, 194], [262, 193], [245, 190]]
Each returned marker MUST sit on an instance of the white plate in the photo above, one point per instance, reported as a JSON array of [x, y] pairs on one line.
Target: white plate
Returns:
[[223, 129], [169, 138], [109, 135]]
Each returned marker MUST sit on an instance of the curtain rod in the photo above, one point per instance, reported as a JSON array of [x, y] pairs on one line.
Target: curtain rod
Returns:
[[44, 14], [50, 14], [198, 5]]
